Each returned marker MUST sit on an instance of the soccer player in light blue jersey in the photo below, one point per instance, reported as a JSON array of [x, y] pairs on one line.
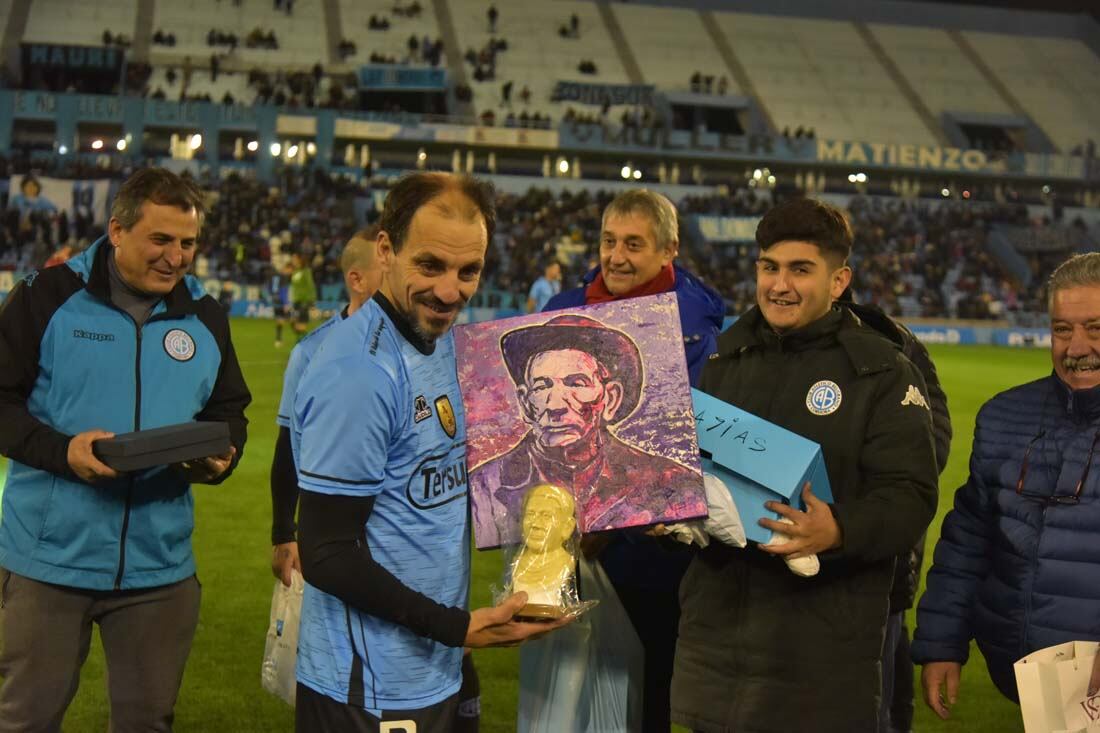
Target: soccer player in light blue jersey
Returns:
[[379, 440], [362, 276]]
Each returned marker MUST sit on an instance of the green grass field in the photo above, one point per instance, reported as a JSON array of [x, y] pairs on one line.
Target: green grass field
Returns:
[[221, 690]]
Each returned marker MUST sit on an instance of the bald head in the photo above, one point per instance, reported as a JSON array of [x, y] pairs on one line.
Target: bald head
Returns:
[[362, 275]]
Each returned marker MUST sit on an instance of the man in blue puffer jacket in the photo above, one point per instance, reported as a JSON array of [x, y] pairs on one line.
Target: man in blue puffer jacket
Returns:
[[1017, 566], [638, 242], [115, 340]]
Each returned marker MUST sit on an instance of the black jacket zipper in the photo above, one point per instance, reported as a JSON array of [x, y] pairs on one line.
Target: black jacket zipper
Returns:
[[130, 483]]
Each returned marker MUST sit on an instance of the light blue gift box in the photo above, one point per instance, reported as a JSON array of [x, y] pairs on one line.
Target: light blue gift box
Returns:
[[758, 461]]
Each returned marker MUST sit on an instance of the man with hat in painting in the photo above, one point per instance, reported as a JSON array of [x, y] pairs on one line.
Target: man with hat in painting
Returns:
[[575, 378]]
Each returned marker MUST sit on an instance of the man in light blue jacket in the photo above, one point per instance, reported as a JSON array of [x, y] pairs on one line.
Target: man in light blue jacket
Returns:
[[115, 340]]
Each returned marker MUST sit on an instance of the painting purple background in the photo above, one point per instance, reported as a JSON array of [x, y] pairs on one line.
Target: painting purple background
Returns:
[[663, 423]]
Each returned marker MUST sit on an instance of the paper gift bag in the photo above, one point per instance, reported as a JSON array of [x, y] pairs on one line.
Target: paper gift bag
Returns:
[[1053, 688], [277, 675]]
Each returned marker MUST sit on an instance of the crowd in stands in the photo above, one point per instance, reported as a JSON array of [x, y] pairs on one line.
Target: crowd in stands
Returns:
[[258, 38], [425, 50], [160, 38], [532, 121], [913, 258], [115, 39], [216, 38], [39, 77], [420, 50], [484, 62], [572, 29], [412, 10], [704, 84], [799, 133], [1086, 149]]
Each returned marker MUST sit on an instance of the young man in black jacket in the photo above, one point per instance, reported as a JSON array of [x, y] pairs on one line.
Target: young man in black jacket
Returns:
[[761, 649]]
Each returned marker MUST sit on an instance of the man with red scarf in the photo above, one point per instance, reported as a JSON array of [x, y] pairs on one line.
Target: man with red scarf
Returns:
[[639, 240]]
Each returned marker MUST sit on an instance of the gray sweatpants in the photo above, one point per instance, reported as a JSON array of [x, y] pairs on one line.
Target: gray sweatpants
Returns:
[[45, 633]]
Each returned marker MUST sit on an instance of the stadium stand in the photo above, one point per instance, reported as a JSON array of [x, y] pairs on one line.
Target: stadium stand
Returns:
[[1056, 80], [821, 73], [300, 34], [537, 55], [939, 70], [82, 24], [978, 252], [671, 46], [392, 42]]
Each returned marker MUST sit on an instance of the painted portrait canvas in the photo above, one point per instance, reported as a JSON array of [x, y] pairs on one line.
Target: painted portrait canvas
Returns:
[[594, 399]]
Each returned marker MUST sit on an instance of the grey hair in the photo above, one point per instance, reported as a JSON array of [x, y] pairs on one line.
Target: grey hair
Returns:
[[1078, 271], [653, 205], [159, 186]]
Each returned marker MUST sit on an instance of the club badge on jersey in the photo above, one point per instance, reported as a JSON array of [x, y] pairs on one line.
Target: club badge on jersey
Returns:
[[446, 415], [179, 345]]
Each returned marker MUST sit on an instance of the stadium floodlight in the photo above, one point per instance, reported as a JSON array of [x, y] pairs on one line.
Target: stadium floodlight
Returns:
[[946, 192], [563, 165], [97, 144], [292, 151], [637, 175], [276, 148], [625, 172], [311, 148], [121, 144], [196, 141], [253, 146]]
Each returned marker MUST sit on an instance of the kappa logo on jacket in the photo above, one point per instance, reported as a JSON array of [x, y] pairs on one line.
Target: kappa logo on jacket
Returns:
[[914, 397]]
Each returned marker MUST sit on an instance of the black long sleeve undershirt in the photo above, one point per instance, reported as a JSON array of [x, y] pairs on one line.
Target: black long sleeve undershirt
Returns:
[[284, 490], [336, 559]]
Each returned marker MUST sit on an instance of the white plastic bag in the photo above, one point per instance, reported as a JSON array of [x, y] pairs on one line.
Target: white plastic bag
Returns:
[[1053, 684], [281, 650], [723, 522], [585, 677]]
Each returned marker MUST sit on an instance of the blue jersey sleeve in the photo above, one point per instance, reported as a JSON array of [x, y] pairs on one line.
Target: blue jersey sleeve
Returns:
[[297, 364], [347, 415]]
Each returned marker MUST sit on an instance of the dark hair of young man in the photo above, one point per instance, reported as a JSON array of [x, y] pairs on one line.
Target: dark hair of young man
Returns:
[[807, 220]]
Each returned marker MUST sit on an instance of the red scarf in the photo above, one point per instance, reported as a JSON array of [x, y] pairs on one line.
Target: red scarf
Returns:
[[597, 291]]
